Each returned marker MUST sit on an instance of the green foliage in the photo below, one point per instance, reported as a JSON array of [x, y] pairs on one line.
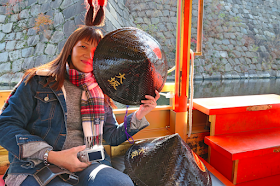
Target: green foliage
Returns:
[[255, 48]]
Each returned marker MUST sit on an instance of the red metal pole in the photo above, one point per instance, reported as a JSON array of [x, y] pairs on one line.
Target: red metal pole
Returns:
[[182, 55]]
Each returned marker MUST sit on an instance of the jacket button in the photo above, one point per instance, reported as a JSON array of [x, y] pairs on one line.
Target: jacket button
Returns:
[[46, 99]]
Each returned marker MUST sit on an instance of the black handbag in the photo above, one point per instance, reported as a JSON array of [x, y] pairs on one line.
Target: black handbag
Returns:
[[165, 161], [48, 173]]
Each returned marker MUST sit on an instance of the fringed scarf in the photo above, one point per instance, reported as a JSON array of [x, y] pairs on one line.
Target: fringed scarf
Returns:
[[92, 106]]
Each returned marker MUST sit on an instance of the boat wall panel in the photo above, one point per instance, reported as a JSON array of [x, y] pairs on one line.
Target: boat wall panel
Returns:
[[258, 167], [247, 121], [221, 164]]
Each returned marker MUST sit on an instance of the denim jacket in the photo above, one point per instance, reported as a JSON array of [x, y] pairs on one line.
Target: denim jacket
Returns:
[[38, 114]]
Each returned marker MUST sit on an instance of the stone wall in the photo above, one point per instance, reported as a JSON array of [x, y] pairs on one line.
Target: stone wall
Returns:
[[241, 37], [159, 19], [23, 47]]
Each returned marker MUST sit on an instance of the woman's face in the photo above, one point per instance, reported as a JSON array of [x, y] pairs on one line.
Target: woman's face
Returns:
[[82, 56]]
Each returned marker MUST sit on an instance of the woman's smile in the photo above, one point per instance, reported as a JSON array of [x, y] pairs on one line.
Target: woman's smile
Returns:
[[87, 62]]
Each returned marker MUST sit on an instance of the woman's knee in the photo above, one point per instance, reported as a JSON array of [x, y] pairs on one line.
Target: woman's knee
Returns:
[[104, 175]]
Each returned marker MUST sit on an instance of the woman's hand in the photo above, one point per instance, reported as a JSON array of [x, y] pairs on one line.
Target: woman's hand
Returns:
[[147, 105], [68, 159]]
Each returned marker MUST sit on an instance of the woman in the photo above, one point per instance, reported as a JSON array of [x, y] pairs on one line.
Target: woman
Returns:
[[42, 122]]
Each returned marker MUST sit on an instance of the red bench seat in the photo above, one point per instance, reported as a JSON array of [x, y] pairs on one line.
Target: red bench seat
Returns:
[[246, 156]]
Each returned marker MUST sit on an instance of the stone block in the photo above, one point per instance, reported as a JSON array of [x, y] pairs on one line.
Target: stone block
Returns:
[[173, 13], [154, 21], [147, 21], [28, 63], [68, 12], [235, 75], [4, 57], [10, 45], [2, 18], [57, 36], [61, 45], [58, 19], [7, 28], [14, 17], [17, 77], [5, 67], [50, 49], [56, 3], [65, 4], [14, 55], [69, 27], [40, 60], [236, 53], [80, 8], [6, 79], [228, 67], [3, 9], [114, 22], [2, 46], [33, 40], [31, 32], [173, 19], [157, 13], [27, 52], [79, 19], [35, 10], [225, 42], [224, 54], [43, 1], [24, 14], [39, 50], [237, 69], [19, 36], [139, 20], [31, 2], [45, 36], [168, 35], [16, 65], [227, 76], [46, 7], [31, 22]]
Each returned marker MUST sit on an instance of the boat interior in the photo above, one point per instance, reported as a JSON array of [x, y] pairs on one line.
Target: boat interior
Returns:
[[237, 138]]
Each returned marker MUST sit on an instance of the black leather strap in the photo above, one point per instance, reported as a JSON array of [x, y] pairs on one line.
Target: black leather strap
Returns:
[[47, 173]]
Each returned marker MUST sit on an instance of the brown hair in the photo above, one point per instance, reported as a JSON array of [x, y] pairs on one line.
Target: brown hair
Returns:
[[57, 67]]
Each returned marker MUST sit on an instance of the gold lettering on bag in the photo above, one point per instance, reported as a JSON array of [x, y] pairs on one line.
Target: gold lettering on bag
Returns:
[[137, 152], [115, 82]]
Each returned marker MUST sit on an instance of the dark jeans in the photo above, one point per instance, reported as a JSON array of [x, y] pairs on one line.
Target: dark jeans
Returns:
[[96, 174]]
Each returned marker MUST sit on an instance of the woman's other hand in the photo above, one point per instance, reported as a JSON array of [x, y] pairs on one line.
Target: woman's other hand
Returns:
[[68, 159], [147, 105]]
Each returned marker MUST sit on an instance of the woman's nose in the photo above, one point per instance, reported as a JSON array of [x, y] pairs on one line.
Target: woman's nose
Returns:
[[88, 55]]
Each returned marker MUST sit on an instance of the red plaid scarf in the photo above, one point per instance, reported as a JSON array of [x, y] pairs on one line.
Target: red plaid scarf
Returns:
[[92, 106]]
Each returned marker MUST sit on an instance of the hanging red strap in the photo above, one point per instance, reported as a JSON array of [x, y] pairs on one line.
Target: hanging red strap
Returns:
[[102, 2]]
